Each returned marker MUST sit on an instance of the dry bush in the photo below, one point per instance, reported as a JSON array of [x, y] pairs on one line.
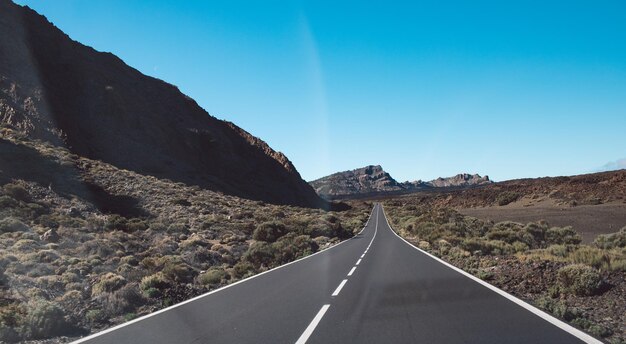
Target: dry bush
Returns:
[[213, 276], [107, 283]]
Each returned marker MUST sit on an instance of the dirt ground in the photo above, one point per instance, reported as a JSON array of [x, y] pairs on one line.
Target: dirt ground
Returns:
[[588, 220]]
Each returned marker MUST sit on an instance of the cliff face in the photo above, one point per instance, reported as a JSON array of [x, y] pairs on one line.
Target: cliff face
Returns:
[[58, 90]]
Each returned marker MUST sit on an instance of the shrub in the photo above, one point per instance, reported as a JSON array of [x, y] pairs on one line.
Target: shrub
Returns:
[[124, 300], [130, 316], [136, 224], [558, 308], [599, 259], [579, 279], [291, 247], [558, 250], [507, 197], [11, 224], [17, 192], [152, 293], [318, 230], [610, 241], [506, 235], [177, 272], [269, 231], [44, 320], [562, 236], [243, 269], [96, 316], [108, 283], [259, 253], [212, 276], [153, 285], [474, 245]]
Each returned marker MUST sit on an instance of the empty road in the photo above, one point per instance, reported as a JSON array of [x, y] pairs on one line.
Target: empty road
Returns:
[[373, 288]]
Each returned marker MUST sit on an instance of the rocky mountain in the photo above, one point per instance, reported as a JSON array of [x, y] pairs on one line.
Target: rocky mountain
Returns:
[[360, 181], [58, 90], [373, 179]]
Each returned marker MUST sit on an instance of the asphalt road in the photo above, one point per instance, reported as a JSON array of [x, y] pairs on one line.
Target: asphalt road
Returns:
[[373, 288]]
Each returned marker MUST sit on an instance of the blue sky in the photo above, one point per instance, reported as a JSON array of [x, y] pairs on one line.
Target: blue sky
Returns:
[[426, 89]]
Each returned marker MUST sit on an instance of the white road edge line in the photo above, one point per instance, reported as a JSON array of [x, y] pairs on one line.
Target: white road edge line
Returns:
[[352, 271], [103, 332], [543, 315], [309, 330], [338, 290]]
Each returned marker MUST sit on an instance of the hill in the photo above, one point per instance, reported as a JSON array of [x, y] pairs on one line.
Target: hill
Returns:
[[58, 90], [85, 245]]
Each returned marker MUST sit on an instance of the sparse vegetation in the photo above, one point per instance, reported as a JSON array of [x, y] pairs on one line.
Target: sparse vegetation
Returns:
[[70, 264], [581, 284], [579, 279]]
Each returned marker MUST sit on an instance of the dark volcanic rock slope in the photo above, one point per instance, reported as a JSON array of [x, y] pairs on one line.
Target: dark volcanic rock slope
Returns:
[[59, 90]]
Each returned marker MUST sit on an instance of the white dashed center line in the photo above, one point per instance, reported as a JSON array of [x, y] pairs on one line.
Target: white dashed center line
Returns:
[[309, 330], [338, 290]]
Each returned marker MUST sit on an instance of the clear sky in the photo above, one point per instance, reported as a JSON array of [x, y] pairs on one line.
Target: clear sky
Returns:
[[426, 89]]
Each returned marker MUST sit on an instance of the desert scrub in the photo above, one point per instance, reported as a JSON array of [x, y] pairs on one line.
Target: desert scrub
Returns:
[[573, 315], [292, 246], [45, 319], [16, 191], [269, 231], [153, 285], [611, 241], [259, 254], [106, 266], [109, 282], [580, 280], [507, 197], [212, 276], [174, 269], [11, 224], [602, 259], [243, 269], [124, 300]]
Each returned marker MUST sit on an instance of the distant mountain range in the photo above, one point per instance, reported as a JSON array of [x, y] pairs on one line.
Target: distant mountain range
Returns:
[[60, 91], [373, 179]]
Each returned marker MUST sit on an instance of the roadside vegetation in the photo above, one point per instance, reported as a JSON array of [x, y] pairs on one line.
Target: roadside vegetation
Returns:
[[546, 265], [84, 245]]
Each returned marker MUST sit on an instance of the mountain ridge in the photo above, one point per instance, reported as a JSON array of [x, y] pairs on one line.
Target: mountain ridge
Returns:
[[374, 179]]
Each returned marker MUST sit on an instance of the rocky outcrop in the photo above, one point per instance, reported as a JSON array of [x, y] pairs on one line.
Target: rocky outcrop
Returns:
[[360, 181], [462, 179], [58, 90], [373, 179]]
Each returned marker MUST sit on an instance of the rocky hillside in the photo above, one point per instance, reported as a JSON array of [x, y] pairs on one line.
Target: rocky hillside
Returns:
[[364, 180], [373, 179], [571, 191], [58, 90], [85, 245], [460, 180]]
